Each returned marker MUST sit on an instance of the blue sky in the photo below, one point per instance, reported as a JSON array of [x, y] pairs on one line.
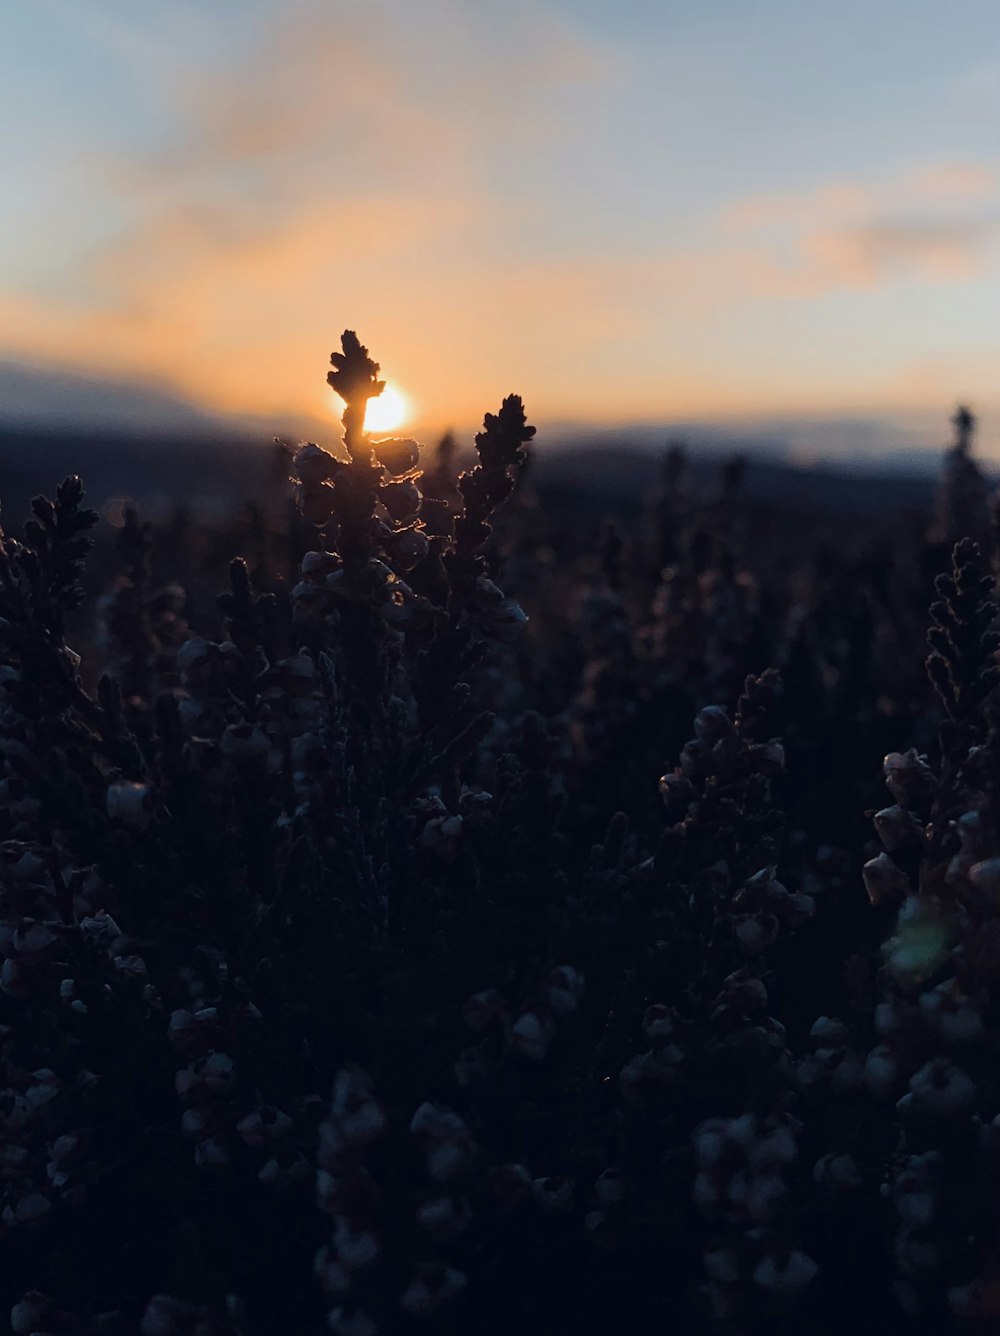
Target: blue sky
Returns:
[[664, 210]]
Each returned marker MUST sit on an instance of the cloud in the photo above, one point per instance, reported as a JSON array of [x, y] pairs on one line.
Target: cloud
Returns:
[[341, 97], [355, 167], [867, 255], [938, 222], [943, 185]]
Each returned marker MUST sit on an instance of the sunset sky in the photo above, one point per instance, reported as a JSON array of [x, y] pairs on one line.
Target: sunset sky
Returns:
[[639, 211]]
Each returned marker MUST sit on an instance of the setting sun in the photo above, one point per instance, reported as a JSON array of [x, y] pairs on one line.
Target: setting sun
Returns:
[[389, 411]]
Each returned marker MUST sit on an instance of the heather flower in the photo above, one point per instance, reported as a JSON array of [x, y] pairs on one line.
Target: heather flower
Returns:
[[131, 804], [448, 1161], [940, 1087], [659, 1021], [263, 1124], [32, 1206], [397, 454], [956, 1018], [354, 1248], [35, 1312], [331, 1273], [441, 836], [435, 1286], [909, 778], [722, 1265], [985, 875], [438, 1122], [785, 1276], [407, 548], [881, 1070], [356, 1117], [166, 1316], [773, 1150], [897, 828], [610, 1187], [506, 623], [482, 1009], [285, 1171], [564, 989], [444, 1215], [357, 1323], [838, 1172], [884, 882], [531, 1035], [553, 1194], [828, 1031]]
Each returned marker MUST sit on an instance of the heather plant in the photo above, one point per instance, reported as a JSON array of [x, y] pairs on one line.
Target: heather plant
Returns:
[[358, 975], [939, 975], [960, 506], [299, 754]]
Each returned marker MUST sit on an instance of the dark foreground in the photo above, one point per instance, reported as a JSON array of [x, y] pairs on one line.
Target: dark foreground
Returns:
[[475, 920]]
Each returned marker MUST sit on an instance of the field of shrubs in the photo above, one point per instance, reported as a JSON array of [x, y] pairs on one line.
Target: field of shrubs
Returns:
[[472, 919]]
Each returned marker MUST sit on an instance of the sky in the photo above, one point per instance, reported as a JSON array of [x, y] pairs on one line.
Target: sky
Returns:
[[657, 210]]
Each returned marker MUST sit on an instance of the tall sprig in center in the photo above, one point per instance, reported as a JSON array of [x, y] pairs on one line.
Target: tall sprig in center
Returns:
[[355, 378]]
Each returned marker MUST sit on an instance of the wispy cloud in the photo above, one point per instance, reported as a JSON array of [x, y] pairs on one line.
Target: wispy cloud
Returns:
[[939, 222], [942, 185]]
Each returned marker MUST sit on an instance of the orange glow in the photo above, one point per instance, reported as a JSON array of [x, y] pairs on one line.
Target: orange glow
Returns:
[[390, 410]]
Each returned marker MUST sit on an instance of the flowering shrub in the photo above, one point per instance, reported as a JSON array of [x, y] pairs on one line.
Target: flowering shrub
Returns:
[[357, 975]]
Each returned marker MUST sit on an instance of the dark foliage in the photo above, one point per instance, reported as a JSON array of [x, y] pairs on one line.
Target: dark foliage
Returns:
[[358, 976]]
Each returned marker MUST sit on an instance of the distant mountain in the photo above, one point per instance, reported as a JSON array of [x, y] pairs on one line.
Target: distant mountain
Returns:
[[872, 445], [204, 473], [615, 479], [54, 399], [126, 439]]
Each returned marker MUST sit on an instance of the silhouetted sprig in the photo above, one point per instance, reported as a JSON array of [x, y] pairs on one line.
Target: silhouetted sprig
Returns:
[[961, 664], [484, 488]]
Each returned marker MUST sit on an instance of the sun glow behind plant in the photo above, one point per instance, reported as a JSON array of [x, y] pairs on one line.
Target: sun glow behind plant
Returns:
[[391, 409]]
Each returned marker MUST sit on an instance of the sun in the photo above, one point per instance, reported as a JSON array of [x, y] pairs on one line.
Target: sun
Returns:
[[388, 411]]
